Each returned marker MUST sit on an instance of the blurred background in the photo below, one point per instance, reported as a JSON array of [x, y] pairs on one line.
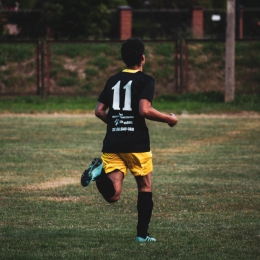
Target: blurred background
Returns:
[[99, 19], [71, 47]]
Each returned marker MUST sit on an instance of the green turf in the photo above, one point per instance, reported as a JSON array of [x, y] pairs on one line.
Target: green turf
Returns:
[[206, 191], [190, 103]]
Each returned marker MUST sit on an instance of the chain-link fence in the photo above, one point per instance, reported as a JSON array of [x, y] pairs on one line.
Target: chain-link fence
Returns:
[[162, 24], [79, 67], [204, 66], [251, 22], [215, 24], [20, 68], [146, 24], [21, 24], [82, 68]]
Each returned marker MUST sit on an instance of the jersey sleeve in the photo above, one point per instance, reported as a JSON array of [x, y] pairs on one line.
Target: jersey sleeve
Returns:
[[103, 97], [148, 89]]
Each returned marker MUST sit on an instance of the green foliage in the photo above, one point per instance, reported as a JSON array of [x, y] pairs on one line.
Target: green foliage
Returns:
[[71, 19], [178, 4], [91, 72], [164, 73], [27, 4], [164, 49], [31, 79], [251, 100], [24, 4], [15, 52], [88, 86], [101, 61], [81, 65], [13, 81], [67, 81], [73, 50], [213, 47], [56, 68], [207, 66], [69, 50]]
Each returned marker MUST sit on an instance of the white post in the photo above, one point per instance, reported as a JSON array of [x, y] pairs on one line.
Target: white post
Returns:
[[230, 52]]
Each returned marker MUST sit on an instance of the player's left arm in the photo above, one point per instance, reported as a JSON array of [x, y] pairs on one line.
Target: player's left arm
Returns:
[[146, 110], [101, 112]]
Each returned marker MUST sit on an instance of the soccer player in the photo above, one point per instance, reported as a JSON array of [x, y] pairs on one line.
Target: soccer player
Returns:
[[124, 104]]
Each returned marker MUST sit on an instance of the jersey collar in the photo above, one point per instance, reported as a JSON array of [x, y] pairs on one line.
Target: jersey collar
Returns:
[[130, 71]]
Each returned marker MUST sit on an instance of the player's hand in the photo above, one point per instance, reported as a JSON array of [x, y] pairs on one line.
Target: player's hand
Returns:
[[173, 120]]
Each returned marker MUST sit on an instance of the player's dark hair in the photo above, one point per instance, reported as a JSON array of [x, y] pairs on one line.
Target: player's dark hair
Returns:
[[131, 51]]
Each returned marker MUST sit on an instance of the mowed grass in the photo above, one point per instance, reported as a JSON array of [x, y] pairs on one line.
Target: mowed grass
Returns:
[[205, 184]]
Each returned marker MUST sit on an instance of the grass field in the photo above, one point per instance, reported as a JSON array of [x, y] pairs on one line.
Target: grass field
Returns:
[[189, 103], [206, 191]]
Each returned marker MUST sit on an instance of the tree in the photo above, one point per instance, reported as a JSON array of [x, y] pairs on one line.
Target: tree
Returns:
[[83, 18], [177, 4], [23, 4]]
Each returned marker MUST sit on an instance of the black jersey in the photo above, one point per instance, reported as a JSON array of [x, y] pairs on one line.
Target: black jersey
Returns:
[[126, 128]]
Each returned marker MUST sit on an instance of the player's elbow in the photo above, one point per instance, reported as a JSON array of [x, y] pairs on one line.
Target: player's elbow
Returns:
[[97, 113], [145, 108], [146, 112], [143, 112]]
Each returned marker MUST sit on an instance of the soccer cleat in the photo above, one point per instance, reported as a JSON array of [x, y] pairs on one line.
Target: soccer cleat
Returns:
[[147, 239], [93, 171]]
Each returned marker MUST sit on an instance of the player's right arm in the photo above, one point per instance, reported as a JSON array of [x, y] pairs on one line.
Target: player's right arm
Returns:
[[146, 110], [101, 112]]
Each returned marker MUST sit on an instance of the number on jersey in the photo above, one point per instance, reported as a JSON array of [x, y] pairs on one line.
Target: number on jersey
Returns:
[[116, 96]]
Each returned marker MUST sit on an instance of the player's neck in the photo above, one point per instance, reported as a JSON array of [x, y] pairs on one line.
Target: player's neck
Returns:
[[136, 67]]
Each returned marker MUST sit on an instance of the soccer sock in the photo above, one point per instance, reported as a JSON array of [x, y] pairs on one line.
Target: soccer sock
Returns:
[[105, 185], [144, 208]]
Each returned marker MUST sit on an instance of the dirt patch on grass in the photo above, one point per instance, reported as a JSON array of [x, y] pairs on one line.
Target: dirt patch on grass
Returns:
[[52, 184], [178, 150], [65, 199]]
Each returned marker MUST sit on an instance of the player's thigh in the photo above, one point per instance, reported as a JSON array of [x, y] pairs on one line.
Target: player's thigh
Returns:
[[117, 178], [113, 162], [115, 168], [139, 164]]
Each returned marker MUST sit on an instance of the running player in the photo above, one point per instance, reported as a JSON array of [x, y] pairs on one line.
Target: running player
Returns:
[[124, 104]]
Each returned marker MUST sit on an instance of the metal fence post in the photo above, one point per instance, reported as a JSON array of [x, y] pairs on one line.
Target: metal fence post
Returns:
[[48, 65], [42, 70], [38, 92], [176, 65], [181, 65], [186, 66]]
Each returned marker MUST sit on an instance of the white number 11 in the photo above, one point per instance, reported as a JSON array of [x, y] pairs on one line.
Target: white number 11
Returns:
[[116, 96]]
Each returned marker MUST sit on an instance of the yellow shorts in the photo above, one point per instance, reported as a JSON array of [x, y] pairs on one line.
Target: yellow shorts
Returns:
[[139, 164]]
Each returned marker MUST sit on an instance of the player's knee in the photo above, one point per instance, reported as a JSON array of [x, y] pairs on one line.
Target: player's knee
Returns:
[[113, 199]]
